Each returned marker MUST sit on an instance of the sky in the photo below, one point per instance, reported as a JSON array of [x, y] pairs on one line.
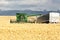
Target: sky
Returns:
[[29, 4]]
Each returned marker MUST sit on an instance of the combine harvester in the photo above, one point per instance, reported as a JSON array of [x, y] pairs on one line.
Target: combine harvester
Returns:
[[25, 18]]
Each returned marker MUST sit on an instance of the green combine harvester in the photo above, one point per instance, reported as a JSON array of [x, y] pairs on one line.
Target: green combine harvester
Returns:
[[22, 17]]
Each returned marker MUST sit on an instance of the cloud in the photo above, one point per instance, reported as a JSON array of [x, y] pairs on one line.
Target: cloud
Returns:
[[30, 4], [56, 1], [27, 2]]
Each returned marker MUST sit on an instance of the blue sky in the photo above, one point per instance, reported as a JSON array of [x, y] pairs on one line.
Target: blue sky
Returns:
[[29, 4]]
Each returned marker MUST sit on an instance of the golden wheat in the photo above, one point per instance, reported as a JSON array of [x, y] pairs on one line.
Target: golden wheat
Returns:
[[27, 31]]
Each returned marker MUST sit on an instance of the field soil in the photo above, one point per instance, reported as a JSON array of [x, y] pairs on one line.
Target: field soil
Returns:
[[27, 31]]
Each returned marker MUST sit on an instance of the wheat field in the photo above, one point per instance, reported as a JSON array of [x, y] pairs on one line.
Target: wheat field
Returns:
[[27, 31]]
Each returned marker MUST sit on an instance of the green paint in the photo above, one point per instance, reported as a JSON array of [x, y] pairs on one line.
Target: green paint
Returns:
[[21, 17]]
